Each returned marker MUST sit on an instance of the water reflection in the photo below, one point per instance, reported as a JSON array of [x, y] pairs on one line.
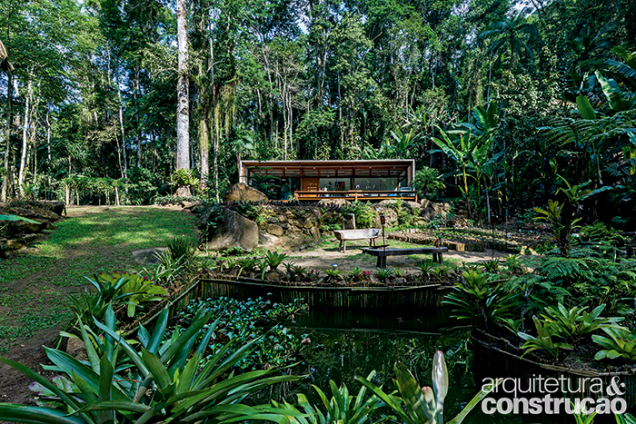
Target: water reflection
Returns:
[[341, 353]]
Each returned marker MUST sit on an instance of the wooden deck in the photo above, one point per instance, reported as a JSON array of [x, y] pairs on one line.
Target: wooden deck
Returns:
[[356, 195]]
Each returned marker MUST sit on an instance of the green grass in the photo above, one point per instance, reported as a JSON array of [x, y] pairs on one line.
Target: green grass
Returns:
[[34, 286]]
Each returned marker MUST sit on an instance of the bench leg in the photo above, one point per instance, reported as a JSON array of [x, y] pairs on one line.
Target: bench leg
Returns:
[[378, 262], [340, 246], [441, 259], [344, 246]]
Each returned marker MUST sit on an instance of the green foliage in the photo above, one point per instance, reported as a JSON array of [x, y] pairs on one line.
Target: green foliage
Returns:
[[576, 323], [341, 407], [427, 180], [620, 344], [481, 301], [255, 322], [333, 272], [135, 290], [543, 341], [384, 273], [182, 249], [423, 405], [364, 212], [274, 259], [184, 178], [155, 380]]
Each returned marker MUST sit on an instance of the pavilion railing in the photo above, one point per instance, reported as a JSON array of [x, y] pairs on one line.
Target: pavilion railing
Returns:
[[356, 194]]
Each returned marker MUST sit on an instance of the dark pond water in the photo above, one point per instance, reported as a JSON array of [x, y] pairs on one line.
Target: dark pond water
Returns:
[[345, 344]]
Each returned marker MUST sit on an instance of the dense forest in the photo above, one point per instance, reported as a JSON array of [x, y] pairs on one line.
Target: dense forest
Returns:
[[502, 101]]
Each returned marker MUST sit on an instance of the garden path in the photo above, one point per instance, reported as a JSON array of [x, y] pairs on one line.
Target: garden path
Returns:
[[326, 253], [35, 283]]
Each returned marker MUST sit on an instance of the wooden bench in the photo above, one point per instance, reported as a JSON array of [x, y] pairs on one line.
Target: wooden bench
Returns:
[[363, 234], [383, 253]]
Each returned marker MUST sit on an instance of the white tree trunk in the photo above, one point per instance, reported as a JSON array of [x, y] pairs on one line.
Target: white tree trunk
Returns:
[[25, 137], [183, 112]]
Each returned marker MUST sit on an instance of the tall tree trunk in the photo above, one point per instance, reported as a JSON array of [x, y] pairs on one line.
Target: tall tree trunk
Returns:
[[183, 112], [48, 143], [6, 183], [136, 97], [204, 131], [121, 126], [25, 135]]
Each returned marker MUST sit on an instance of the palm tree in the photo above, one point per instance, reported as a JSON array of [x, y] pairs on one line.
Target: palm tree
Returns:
[[507, 35]]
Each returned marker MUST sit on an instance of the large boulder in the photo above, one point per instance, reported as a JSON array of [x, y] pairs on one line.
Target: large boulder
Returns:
[[428, 213], [232, 229], [409, 203], [243, 193], [57, 206]]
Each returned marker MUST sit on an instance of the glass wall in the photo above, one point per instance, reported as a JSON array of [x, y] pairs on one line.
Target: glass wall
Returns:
[[335, 184]]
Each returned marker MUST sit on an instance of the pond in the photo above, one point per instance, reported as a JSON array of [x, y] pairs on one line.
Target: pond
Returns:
[[348, 343]]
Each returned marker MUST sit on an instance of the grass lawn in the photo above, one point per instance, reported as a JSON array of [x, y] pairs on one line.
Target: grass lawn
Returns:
[[34, 285]]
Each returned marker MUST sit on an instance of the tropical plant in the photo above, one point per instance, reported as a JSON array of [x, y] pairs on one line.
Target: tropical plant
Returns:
[[399, 272], [247, 264], [620, 344], [333, 272], [481, 302], [384, 273], [340, 408], [507, 34], [154, 382], [427, 181], [576, 323], [136, 288], [491, 265], [182, 248], [274, 259], [426, 268], [543, 340], [184, 178], [356, 274], [423, 405]]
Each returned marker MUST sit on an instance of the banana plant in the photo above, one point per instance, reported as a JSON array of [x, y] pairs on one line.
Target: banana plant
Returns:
[[157, 382], [423, 405]]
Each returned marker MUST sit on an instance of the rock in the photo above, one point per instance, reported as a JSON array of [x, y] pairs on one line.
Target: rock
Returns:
[[425, 203], [315, 233], [337, 202], [189, 205], [76, 348], [22, 227], [274, 275], [458, 221], [233, 230], [306, 223], [14, 244], [56, 206], [282, 218], [441, 208], [149, 256], [243, 193], [427, 213], [275, 230], [293, 229], [34, 213], [412, 204], [266, 240]]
